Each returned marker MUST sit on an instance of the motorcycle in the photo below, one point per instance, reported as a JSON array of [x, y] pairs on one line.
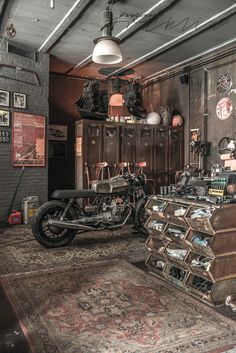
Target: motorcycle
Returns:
[[108, 205]]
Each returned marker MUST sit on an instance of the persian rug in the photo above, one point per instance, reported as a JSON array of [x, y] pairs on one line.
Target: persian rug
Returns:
[[15, 234], [31, 256], [113, 307]]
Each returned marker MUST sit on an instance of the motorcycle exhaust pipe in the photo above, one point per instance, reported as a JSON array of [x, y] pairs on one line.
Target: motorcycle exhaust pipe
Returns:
[[69, 225], [123, 223]]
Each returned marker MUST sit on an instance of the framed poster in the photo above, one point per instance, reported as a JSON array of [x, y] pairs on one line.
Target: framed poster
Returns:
[[19, 100], [57, 133], [28, 140], [4, 118], [4, 98]]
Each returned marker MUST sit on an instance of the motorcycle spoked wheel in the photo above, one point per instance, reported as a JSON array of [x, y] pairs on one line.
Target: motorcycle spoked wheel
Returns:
[[49, 236], [140, 218]]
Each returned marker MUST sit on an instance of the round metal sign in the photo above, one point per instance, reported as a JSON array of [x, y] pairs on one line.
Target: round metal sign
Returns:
[[224, 108]]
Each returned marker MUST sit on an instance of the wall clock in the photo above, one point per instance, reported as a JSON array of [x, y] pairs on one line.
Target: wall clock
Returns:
[[224, 83]]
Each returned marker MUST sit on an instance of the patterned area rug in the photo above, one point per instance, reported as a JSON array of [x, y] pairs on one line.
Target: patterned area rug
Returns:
[[113, 307], [14, 235], [26, 256]]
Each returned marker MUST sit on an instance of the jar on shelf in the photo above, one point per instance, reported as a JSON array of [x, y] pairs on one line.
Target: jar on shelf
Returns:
[[166, 115]]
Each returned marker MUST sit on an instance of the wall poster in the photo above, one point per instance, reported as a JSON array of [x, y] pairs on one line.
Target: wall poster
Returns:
[[28, 140]]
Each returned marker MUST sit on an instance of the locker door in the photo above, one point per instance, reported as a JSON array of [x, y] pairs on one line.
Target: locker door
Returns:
[[92, 143], [128, 146], [161, 163], [176, 144], [111, 143], [145, 148]]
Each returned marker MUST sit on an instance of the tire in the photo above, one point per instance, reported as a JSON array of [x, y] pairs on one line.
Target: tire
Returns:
[[140, 218], [52, 237]]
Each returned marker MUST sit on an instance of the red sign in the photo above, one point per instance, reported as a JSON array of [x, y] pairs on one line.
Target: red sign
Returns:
[[28, 140], [224, 108]]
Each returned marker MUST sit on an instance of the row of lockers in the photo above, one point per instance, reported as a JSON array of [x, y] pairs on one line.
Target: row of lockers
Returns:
[[160, 147]]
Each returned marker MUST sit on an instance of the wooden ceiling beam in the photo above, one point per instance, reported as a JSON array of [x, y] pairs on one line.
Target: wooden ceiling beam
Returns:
[[212, 21], [63, 26]]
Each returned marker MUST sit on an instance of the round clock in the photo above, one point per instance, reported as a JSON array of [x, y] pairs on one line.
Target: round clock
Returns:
[[224, 83]]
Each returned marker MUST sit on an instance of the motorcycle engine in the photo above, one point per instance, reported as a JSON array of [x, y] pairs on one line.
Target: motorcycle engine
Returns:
[[109, 213]]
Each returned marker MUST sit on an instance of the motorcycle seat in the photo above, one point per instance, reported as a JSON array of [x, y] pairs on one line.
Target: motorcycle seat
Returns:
[[73, 194]]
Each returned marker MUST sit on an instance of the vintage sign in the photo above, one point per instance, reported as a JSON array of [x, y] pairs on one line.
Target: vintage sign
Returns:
[[4, 136], [224, 108], [28, 140]]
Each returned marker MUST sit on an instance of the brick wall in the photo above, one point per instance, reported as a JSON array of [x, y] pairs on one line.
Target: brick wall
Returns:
[[35, 180]]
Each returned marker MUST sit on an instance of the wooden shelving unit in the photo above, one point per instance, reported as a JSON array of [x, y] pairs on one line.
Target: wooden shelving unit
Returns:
[[193, 246]]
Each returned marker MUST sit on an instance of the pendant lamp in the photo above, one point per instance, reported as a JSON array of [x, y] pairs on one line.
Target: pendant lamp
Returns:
[[107, 50]]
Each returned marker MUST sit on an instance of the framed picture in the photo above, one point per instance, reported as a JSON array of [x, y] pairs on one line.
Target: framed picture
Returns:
[[57, 149], [195, 134], [4, 98], [19, 100], [28, 140], [4, 136], [57, 133], [4, 118]]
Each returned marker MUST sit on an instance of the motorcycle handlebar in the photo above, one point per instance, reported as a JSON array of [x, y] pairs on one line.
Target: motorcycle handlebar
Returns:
[[135, 179]]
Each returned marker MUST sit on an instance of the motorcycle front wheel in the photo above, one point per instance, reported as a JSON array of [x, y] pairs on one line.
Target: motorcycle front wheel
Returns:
[[140, 218], [51, 236]]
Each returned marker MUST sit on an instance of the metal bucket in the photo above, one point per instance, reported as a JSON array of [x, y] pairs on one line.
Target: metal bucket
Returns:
[[29, 205]]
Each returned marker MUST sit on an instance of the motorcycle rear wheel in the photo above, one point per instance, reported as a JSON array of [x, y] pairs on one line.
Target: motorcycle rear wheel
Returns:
[[49, 236]]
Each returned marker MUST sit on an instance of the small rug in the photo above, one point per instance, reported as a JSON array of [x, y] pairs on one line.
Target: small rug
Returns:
[[113, 307], [31, 256]]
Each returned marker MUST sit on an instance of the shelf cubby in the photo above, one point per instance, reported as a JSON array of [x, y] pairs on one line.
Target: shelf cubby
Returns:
[[156, 264], [155, 227], [156, 206], [176, 254], [200, 286], [174, 213], [217, 244], [199, 218], [215, 269], [175, 233], [176, 274], [156, 245], [200, 242], [199, 264]]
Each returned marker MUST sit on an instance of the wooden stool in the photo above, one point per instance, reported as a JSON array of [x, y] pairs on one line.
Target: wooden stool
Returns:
[[120, 168], [138, 167], [96, 172]]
